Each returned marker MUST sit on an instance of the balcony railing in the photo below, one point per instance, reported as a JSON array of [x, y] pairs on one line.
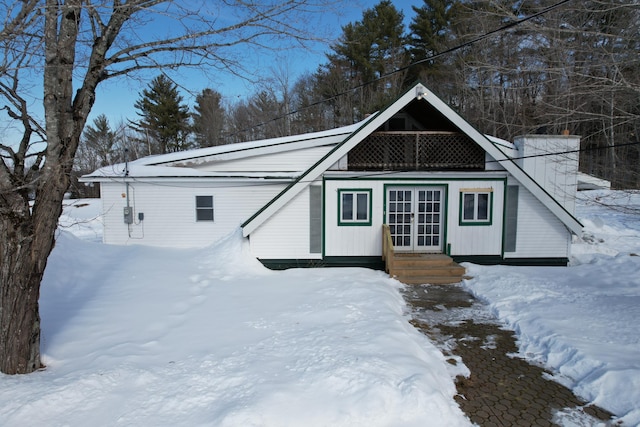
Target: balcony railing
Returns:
[[418, 150]]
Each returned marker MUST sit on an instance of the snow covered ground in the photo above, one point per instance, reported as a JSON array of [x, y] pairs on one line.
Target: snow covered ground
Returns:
[[140, 336], [147, 336], [582, 322]]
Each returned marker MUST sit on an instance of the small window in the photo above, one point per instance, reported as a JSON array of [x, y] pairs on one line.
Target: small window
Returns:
[[354, 207], [204, 208], [475, 207]]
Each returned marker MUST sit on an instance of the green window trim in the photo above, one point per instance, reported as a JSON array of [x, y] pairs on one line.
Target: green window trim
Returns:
[[204, 209], [476, 207], [354, 206]]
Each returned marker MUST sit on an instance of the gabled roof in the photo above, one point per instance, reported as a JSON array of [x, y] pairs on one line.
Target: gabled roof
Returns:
[[420, 93]]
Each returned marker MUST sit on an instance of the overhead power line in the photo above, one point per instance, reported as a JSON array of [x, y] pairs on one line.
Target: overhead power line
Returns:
[[401, 69], [364, 175]]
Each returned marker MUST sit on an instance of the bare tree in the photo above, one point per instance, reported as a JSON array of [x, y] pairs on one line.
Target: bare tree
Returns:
[[76, 45], [575, 66]]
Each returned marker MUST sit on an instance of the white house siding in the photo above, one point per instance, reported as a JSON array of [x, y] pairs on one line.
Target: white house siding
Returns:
[[169, 211], [540, 233], [297, 160], [476, 239], [286, 234], [353, 240], [367, 240], [553, 162]]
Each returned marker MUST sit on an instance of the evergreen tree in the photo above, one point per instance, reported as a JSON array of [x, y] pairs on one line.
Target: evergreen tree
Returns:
[[369, 50], [208, 118], [96, 146], [431, 34], [164, 124]]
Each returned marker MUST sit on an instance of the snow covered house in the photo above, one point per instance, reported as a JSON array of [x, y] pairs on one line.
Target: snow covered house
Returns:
[[322, 198]]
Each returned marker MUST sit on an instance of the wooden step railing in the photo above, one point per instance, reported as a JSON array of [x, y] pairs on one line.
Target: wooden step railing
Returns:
[[388, 250]]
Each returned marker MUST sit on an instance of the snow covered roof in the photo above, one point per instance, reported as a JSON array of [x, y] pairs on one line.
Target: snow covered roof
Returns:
[[590, 182], [184, 163]]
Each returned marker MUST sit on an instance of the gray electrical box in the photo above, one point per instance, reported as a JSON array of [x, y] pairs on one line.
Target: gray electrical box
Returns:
[[128, 215]]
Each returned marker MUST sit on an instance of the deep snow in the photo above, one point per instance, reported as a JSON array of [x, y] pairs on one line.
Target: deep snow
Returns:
[[581, 322], [147, 336], [144, 336]]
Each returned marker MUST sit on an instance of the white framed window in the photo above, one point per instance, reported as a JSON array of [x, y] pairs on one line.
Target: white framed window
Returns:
[[354, 206], [204, 208], [476, 207]]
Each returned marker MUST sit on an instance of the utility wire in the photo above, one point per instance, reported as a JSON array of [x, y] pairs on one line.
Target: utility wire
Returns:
[[370, 174], [401, 69]]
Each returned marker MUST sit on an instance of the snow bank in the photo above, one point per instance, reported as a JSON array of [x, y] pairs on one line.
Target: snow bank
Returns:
[[581, 321]]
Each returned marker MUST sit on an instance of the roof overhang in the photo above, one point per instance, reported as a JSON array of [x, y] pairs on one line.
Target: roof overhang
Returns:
[[420, 93]]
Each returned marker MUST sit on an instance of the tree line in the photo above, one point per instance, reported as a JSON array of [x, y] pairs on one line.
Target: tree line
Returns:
[[509, 68]]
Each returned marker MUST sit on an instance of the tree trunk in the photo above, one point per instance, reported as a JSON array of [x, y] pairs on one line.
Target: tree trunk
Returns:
[[19, 292], [27, 240]]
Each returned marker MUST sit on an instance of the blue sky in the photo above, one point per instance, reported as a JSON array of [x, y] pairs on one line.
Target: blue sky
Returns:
[[116, 98]]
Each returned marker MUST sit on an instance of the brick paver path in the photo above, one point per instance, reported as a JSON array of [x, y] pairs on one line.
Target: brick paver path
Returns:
[[502, 390]]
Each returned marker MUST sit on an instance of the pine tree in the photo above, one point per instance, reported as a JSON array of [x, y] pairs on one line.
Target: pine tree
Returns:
[[369, 50], [164, 123], [431, 34], [208, 118], [97, 145]]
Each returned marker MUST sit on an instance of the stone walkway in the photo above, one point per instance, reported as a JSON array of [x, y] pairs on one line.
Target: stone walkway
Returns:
[[502, 390]]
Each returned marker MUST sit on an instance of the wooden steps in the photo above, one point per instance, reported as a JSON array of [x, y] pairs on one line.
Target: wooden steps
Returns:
[[417, 269], [414, 269]]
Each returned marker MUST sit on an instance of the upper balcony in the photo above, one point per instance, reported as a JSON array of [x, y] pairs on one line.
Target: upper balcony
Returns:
[[416, 151]]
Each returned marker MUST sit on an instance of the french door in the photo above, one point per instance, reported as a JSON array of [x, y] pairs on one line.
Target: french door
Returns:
[[415, 219]]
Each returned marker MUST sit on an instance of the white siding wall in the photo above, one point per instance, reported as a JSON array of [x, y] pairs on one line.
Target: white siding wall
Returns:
[[353, 240], [286, 234], [557, 173], [297, 160], [476, 239], [169, 212], [367, 240], [540, 233]]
